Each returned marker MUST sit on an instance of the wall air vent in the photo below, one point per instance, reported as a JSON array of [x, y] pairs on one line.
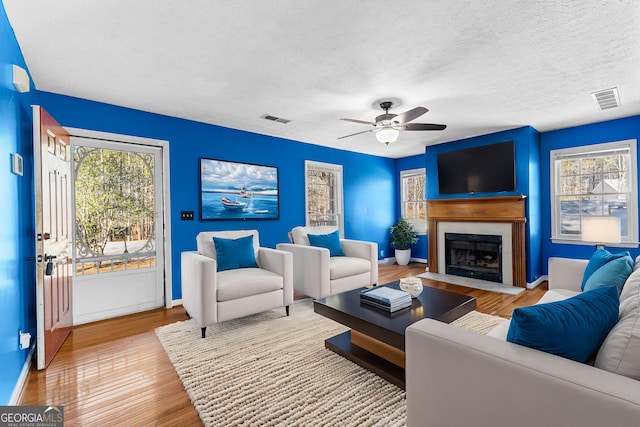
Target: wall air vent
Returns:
[[274, 118], [607, 99]]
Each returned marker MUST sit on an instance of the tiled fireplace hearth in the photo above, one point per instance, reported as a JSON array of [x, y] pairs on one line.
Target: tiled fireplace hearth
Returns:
[[497, 216]]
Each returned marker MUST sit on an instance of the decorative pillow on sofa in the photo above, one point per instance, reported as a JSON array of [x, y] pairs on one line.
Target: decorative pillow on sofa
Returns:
[[330, 241], [614, 273], [235, 253], [573, 328], [620, 351], [599, 258]]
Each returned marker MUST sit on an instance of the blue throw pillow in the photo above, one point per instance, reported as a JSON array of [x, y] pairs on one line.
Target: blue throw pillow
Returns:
[[599, 258], [614, 273], [235, 253], [573, 328], [330, 241]]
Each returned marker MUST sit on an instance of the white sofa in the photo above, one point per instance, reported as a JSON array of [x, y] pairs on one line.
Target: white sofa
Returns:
[[318, 275], [455, 377], [210, 296]]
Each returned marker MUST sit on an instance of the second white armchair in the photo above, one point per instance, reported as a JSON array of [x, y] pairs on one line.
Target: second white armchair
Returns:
[[317, 274]]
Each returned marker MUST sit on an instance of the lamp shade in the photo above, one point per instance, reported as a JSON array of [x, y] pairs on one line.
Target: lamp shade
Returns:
[[387, 135], [601, 229]]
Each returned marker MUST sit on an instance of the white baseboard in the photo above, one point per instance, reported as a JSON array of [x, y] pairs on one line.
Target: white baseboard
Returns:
[[537, 282], [22, 379], [393, 259]]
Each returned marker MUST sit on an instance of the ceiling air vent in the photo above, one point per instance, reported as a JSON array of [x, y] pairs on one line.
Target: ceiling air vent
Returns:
[[607, 99], [274, 118]]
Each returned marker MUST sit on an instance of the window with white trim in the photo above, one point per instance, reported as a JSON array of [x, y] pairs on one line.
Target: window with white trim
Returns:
[[594, 181], [414, 203], [323, 198]]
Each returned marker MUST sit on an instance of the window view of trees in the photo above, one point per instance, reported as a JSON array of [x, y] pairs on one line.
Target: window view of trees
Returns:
[[114, 201], [592, 184], [414, 205], [321, 197]]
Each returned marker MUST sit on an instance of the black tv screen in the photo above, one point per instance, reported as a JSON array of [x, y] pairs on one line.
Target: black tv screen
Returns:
[[484, 169]]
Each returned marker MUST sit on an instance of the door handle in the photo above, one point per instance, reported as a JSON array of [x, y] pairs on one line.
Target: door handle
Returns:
[[48, 271]]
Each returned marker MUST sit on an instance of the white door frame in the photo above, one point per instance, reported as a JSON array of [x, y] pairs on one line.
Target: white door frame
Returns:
[[166, 211]]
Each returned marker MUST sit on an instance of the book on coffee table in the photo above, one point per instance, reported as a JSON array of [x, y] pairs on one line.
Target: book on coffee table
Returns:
[[386, 298]]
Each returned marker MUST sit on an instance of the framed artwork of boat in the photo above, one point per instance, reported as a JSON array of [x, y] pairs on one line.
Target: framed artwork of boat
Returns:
[[235, 190]]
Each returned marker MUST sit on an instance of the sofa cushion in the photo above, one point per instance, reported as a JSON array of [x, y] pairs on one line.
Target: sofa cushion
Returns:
[[633, 281], [620, 351], [345, 266], [246, 282], [330, 241], [235, 253], [599, 258], [613, 273], [573, 328]]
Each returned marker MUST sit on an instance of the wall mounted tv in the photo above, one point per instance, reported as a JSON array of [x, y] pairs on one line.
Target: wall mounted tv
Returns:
[[484, 169]]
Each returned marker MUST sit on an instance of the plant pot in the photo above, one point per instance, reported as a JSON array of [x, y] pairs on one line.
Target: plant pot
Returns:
[[403, 256]]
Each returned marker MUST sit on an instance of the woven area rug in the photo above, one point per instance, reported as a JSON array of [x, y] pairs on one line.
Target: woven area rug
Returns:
[[271, 370]]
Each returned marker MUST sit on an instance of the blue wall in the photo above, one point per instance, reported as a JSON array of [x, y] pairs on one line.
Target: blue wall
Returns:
[[419, 250], [369, 181], [17, 271], [609, 131], [527, 148], [371, 186]]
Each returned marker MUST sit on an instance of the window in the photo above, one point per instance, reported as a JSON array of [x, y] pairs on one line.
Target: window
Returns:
[[323, 194], [414, 203], [594, 180]]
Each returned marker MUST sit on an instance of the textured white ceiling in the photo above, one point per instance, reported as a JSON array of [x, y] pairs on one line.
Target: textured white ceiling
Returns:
[[478, 66]]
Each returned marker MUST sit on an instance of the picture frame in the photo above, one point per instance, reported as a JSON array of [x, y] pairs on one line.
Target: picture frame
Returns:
[[232, 190]]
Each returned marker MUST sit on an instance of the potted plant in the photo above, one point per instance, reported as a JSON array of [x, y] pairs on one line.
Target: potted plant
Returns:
[[403, 235]]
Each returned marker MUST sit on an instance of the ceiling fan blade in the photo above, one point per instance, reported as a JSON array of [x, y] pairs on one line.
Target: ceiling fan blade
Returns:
[[422, 126], [359, 121], [357, 133], [412, 114]]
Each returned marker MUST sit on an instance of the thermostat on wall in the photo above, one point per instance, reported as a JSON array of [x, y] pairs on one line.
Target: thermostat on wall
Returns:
[[16, 164]]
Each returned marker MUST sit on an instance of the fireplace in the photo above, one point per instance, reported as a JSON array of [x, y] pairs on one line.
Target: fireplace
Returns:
[[478, 256], [503, 216]]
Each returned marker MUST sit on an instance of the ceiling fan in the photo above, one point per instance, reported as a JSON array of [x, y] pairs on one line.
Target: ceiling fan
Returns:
[[387, 126]]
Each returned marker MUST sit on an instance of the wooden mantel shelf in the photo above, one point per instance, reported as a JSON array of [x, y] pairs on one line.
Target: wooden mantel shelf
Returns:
[[509, 209], [481, 209]]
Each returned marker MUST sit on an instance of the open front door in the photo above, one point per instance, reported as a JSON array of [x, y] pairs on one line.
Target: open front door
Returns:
[[52, 181]]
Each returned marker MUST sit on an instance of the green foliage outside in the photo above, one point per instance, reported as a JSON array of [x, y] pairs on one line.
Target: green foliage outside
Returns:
[[114, 197]]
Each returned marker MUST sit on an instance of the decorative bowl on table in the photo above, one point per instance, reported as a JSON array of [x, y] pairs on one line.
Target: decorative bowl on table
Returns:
[[413, 285]]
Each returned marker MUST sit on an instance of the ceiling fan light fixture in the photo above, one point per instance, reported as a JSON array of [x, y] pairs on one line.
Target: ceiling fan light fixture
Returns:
[[387, 135]]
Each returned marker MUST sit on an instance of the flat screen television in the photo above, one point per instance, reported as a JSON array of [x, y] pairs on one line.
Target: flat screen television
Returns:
[[484, 169]]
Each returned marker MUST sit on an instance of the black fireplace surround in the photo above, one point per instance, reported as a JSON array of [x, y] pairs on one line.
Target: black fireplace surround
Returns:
[[477, 256]]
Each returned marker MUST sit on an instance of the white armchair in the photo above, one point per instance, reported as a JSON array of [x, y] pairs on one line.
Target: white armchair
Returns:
[[316, 274], [210, 296]]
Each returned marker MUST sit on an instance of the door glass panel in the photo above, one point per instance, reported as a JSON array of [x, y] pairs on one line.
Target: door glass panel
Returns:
[[115, 215]]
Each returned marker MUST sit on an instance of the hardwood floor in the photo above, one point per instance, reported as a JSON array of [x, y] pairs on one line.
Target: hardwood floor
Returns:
[[115, 372]]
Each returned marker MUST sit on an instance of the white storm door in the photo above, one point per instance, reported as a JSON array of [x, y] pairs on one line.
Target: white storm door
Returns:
[[119, 258]]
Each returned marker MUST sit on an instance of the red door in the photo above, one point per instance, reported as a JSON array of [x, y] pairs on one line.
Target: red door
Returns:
[[52, 180]]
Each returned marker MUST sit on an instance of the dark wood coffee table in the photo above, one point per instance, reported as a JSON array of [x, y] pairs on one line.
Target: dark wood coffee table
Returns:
[[376, 338]]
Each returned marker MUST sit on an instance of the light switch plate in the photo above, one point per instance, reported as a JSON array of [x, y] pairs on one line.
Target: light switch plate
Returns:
[[17, 164]]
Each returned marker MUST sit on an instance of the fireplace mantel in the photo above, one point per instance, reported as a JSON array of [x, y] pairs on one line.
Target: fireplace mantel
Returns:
[[509, 209]]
